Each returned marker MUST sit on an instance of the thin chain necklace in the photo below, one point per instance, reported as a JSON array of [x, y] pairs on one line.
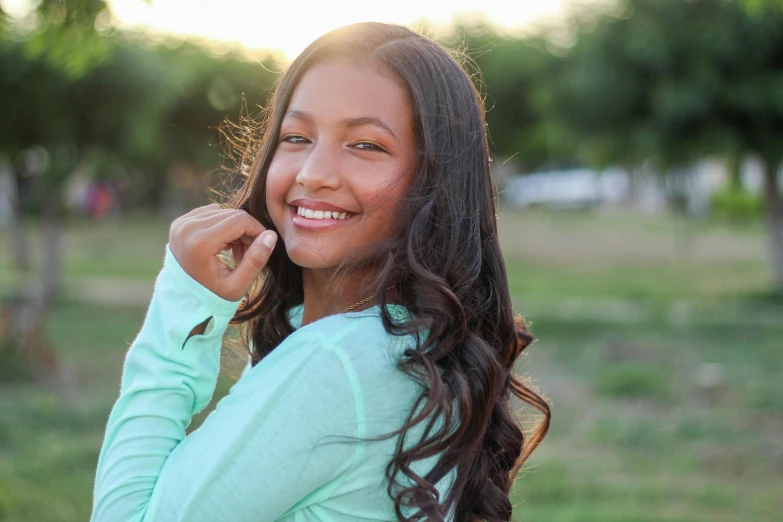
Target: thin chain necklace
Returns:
[[363, 301]]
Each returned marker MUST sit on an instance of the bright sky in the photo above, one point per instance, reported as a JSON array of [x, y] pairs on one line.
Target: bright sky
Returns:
[[289, 26]]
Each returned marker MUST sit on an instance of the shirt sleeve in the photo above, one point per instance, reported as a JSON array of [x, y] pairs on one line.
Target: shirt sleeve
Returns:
[[261, 454]]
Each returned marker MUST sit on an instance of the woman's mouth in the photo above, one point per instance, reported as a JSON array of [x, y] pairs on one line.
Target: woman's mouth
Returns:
[[310, 218]]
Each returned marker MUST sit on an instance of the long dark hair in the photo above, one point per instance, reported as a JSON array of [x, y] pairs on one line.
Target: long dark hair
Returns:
[[446, 264]]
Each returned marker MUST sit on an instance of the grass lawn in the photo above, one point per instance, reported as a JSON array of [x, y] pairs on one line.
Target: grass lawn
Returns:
[[657, 347]]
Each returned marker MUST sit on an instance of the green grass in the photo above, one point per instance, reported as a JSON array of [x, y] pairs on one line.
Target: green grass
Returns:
[[655, 346], [132, 248], [643, 435]]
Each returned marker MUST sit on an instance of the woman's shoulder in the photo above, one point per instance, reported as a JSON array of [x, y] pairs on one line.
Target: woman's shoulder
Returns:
[[359, 338], [348, 329]]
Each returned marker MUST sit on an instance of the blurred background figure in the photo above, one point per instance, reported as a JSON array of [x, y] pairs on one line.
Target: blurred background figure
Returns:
[[637, 148], [99, 199]]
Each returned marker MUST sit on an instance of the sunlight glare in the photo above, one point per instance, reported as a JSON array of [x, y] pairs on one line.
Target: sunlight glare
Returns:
[[288, 27]]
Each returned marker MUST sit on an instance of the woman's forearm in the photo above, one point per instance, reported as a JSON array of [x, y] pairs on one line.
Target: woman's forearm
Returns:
[[169, 374]]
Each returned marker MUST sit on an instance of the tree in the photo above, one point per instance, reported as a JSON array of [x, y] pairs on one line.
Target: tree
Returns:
[[675, 80], [76, 95], [515, 75]]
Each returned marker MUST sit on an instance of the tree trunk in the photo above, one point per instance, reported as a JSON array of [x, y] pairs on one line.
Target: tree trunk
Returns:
[[20, 238], [25, 351], [634, 184], [24, 345], [734, 170], [774, 211], [51, 267]]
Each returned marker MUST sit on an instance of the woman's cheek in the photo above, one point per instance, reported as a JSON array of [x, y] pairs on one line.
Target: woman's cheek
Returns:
[[382, 208]]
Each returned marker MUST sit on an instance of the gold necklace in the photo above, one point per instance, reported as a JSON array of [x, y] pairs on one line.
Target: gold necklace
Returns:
[[363, 301]]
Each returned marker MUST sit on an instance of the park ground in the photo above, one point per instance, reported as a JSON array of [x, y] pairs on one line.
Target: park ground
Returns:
[[658, 347]]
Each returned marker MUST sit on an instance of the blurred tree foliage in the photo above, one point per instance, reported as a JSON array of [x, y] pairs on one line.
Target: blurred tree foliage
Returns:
[[515, 77], [661, 83], [78, 90], [80, 95], [673, 81]]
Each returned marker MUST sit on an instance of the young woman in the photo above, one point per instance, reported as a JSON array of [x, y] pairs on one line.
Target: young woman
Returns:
[[381, 332]]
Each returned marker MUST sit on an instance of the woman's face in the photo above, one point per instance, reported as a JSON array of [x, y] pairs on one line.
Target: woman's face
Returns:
[[345, 156]]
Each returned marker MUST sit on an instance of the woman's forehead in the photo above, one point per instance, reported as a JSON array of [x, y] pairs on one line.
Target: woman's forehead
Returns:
[[345, 88]]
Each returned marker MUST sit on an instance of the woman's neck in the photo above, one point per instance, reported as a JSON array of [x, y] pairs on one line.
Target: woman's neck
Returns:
[[319, 302]]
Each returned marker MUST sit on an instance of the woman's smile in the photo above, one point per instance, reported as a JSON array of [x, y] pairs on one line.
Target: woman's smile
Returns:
[[309, 214]]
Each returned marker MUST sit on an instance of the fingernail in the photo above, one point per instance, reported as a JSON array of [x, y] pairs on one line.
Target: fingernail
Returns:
[[269, 239]]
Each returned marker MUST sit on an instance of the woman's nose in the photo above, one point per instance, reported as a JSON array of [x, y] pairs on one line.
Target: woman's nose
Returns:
[[321, 168]]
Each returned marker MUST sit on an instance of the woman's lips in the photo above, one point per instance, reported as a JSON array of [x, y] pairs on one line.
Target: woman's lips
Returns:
[[314, 204], [314, 223]]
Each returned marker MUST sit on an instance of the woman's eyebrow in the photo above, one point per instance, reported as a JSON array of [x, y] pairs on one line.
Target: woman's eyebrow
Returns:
[[348, 122]]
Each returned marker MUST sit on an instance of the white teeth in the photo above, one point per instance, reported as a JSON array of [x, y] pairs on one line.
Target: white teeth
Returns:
[[320, 214]]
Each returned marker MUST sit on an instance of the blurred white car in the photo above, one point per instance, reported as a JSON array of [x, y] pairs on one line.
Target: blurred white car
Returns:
[[577, 188]]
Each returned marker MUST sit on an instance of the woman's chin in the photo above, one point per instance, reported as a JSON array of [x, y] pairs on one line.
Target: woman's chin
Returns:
[[311, 259]]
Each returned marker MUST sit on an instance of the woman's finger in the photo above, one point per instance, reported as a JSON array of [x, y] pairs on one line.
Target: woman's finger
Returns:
[[207, 219], [237, 252], [239, 281], [233, 228]]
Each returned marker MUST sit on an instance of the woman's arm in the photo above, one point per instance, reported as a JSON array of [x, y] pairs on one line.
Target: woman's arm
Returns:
[[256, 456]]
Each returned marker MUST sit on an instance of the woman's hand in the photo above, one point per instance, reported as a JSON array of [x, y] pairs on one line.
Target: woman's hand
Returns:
[[199, 236]]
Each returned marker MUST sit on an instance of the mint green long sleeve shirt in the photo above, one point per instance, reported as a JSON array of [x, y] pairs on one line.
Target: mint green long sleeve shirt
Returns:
[[278, 446]]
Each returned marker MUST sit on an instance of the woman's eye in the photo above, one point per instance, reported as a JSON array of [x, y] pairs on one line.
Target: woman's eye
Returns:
[[294, 138], [368, 145]]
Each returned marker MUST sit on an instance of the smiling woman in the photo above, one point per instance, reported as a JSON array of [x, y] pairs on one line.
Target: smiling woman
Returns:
[[382, 316], [347, 144]]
